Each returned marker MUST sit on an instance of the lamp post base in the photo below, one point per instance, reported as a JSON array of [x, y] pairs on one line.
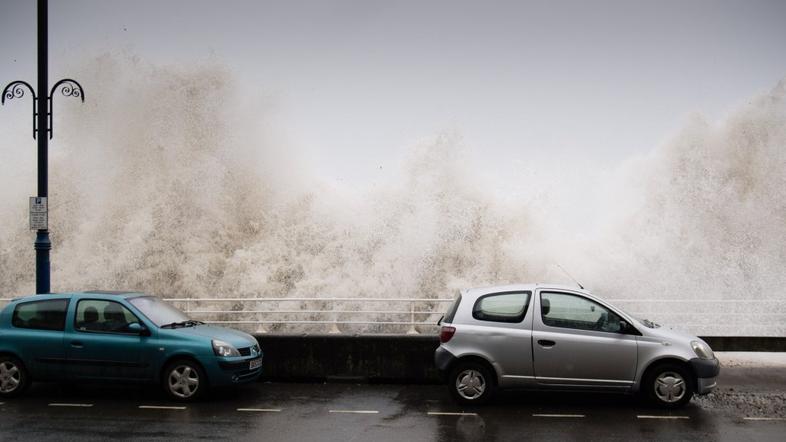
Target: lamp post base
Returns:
[[42, 247]]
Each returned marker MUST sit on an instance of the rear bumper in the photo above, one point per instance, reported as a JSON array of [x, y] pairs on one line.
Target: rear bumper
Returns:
[[707, 371], [443, 358]]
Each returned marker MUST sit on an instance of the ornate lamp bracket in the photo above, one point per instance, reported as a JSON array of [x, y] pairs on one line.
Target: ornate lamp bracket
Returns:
[[16, 89], [69, 88]]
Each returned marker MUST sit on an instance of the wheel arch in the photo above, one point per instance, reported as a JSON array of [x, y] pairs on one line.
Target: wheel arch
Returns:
[[654, 364], [477, 359], [180, 357]]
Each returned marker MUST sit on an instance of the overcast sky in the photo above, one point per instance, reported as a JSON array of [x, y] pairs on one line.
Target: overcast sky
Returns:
[[356, 81]]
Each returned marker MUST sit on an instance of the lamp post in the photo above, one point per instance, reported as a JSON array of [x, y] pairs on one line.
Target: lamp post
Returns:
[[42, 132]]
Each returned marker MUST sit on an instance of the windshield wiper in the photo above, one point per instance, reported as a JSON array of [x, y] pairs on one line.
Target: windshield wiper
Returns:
[[188, 323]]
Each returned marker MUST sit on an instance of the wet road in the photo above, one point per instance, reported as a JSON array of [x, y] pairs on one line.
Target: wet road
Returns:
[[750, 405]]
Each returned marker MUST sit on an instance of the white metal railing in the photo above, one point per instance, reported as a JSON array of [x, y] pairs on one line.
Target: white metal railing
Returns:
[[763, 317], [332, 312]]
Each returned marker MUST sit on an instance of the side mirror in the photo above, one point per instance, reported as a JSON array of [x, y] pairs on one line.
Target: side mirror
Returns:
[[624, 327], [138, 328]]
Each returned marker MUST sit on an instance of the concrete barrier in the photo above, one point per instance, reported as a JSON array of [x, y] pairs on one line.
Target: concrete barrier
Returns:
[[396, 358], [350, 358]]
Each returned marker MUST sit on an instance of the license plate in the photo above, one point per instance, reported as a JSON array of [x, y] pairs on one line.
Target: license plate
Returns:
[[256, 363]]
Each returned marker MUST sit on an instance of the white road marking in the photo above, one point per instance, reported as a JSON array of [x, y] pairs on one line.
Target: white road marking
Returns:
[[648, 416], [354, 411], [260, 410], [55, 404], [558, 415], [764, 418], [449, 413], [160, 407]]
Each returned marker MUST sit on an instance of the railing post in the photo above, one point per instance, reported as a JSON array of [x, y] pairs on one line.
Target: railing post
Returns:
[[261, 325], [334, 327], [412, 330]]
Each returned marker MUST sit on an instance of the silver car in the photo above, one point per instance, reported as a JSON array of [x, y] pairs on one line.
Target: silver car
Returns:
[[553, 337]]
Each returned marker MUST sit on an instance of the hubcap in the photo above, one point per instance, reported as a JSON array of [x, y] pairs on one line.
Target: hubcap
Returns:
[[10, 377], [670, 387], [183, 381], [470, 384]]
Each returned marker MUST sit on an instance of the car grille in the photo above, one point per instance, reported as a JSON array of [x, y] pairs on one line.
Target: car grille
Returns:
[[246, 351]]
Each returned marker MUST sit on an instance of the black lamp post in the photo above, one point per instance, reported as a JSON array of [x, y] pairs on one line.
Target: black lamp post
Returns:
[[42, 132]]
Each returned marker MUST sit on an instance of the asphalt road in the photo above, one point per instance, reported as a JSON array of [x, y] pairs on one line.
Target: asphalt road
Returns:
[[749, 405]]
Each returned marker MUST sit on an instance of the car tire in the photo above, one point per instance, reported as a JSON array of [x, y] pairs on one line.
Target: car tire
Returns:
[[184, 380], [472, 383], [13, 377], [669, 385]]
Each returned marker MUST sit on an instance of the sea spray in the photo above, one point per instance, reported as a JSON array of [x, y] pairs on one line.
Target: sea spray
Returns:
[[162, 182]]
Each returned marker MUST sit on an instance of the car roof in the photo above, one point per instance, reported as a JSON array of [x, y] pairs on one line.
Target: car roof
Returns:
[[99, 294], [478, 291]]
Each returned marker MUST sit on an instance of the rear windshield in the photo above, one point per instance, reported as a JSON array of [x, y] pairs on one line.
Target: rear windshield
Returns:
[[452, 310]]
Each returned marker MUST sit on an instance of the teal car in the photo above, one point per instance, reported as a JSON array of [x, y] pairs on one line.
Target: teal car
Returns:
[[119, 337]]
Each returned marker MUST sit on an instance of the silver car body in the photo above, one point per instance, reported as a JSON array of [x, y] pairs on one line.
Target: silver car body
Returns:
[[531, 354]]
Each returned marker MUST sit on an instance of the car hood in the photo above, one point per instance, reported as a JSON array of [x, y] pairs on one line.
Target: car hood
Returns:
[[670, 333], [236, 338]]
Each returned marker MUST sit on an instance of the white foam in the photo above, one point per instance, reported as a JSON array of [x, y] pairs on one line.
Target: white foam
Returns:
[[164, 181]]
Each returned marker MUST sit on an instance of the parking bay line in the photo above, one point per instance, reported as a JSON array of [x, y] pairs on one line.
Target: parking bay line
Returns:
[[354, 411], [160, 407], [559, 415], [260, 410], [59, 404], [753, 418], [652, 416], [450, 413]]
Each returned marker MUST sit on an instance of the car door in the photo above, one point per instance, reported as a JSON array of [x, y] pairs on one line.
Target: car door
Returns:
[[579, 342], [502, 327], [37, 333], [99, 344]]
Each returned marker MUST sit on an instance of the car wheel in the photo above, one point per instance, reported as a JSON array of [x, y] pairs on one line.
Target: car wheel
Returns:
[[184, 380], [471, 383], [669, 386], [13, 376]]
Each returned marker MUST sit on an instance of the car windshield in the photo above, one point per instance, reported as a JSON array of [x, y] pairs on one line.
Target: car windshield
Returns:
[[645, 322], [158, 311]]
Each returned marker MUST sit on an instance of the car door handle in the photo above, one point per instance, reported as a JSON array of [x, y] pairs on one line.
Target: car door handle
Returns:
[[546, 343], [76, 344]]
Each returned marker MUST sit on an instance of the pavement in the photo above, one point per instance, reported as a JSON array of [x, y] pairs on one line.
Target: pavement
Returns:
[[749, 404]]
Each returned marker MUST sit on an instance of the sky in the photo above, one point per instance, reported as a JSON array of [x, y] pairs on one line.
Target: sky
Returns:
[[354, 82]]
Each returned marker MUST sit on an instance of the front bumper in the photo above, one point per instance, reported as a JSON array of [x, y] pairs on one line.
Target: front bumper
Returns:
[[235, 372], [706, 371]]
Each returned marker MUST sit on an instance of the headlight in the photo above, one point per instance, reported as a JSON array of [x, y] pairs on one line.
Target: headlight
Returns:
[[221, 348], [702, 350]]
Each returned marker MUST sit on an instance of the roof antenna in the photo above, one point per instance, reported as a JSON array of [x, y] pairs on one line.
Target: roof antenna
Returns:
[[570, 276]]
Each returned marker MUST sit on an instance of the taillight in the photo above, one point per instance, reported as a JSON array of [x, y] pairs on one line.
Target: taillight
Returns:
[[445, 333]]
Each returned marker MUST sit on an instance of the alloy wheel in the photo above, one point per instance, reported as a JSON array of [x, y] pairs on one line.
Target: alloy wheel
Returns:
[[10, 377], [670, 387], [470, 384], [183, 381]]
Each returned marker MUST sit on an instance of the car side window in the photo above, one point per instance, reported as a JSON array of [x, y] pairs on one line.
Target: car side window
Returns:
[[41, 315], [93, 315], [573, 311], [502, 307]]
